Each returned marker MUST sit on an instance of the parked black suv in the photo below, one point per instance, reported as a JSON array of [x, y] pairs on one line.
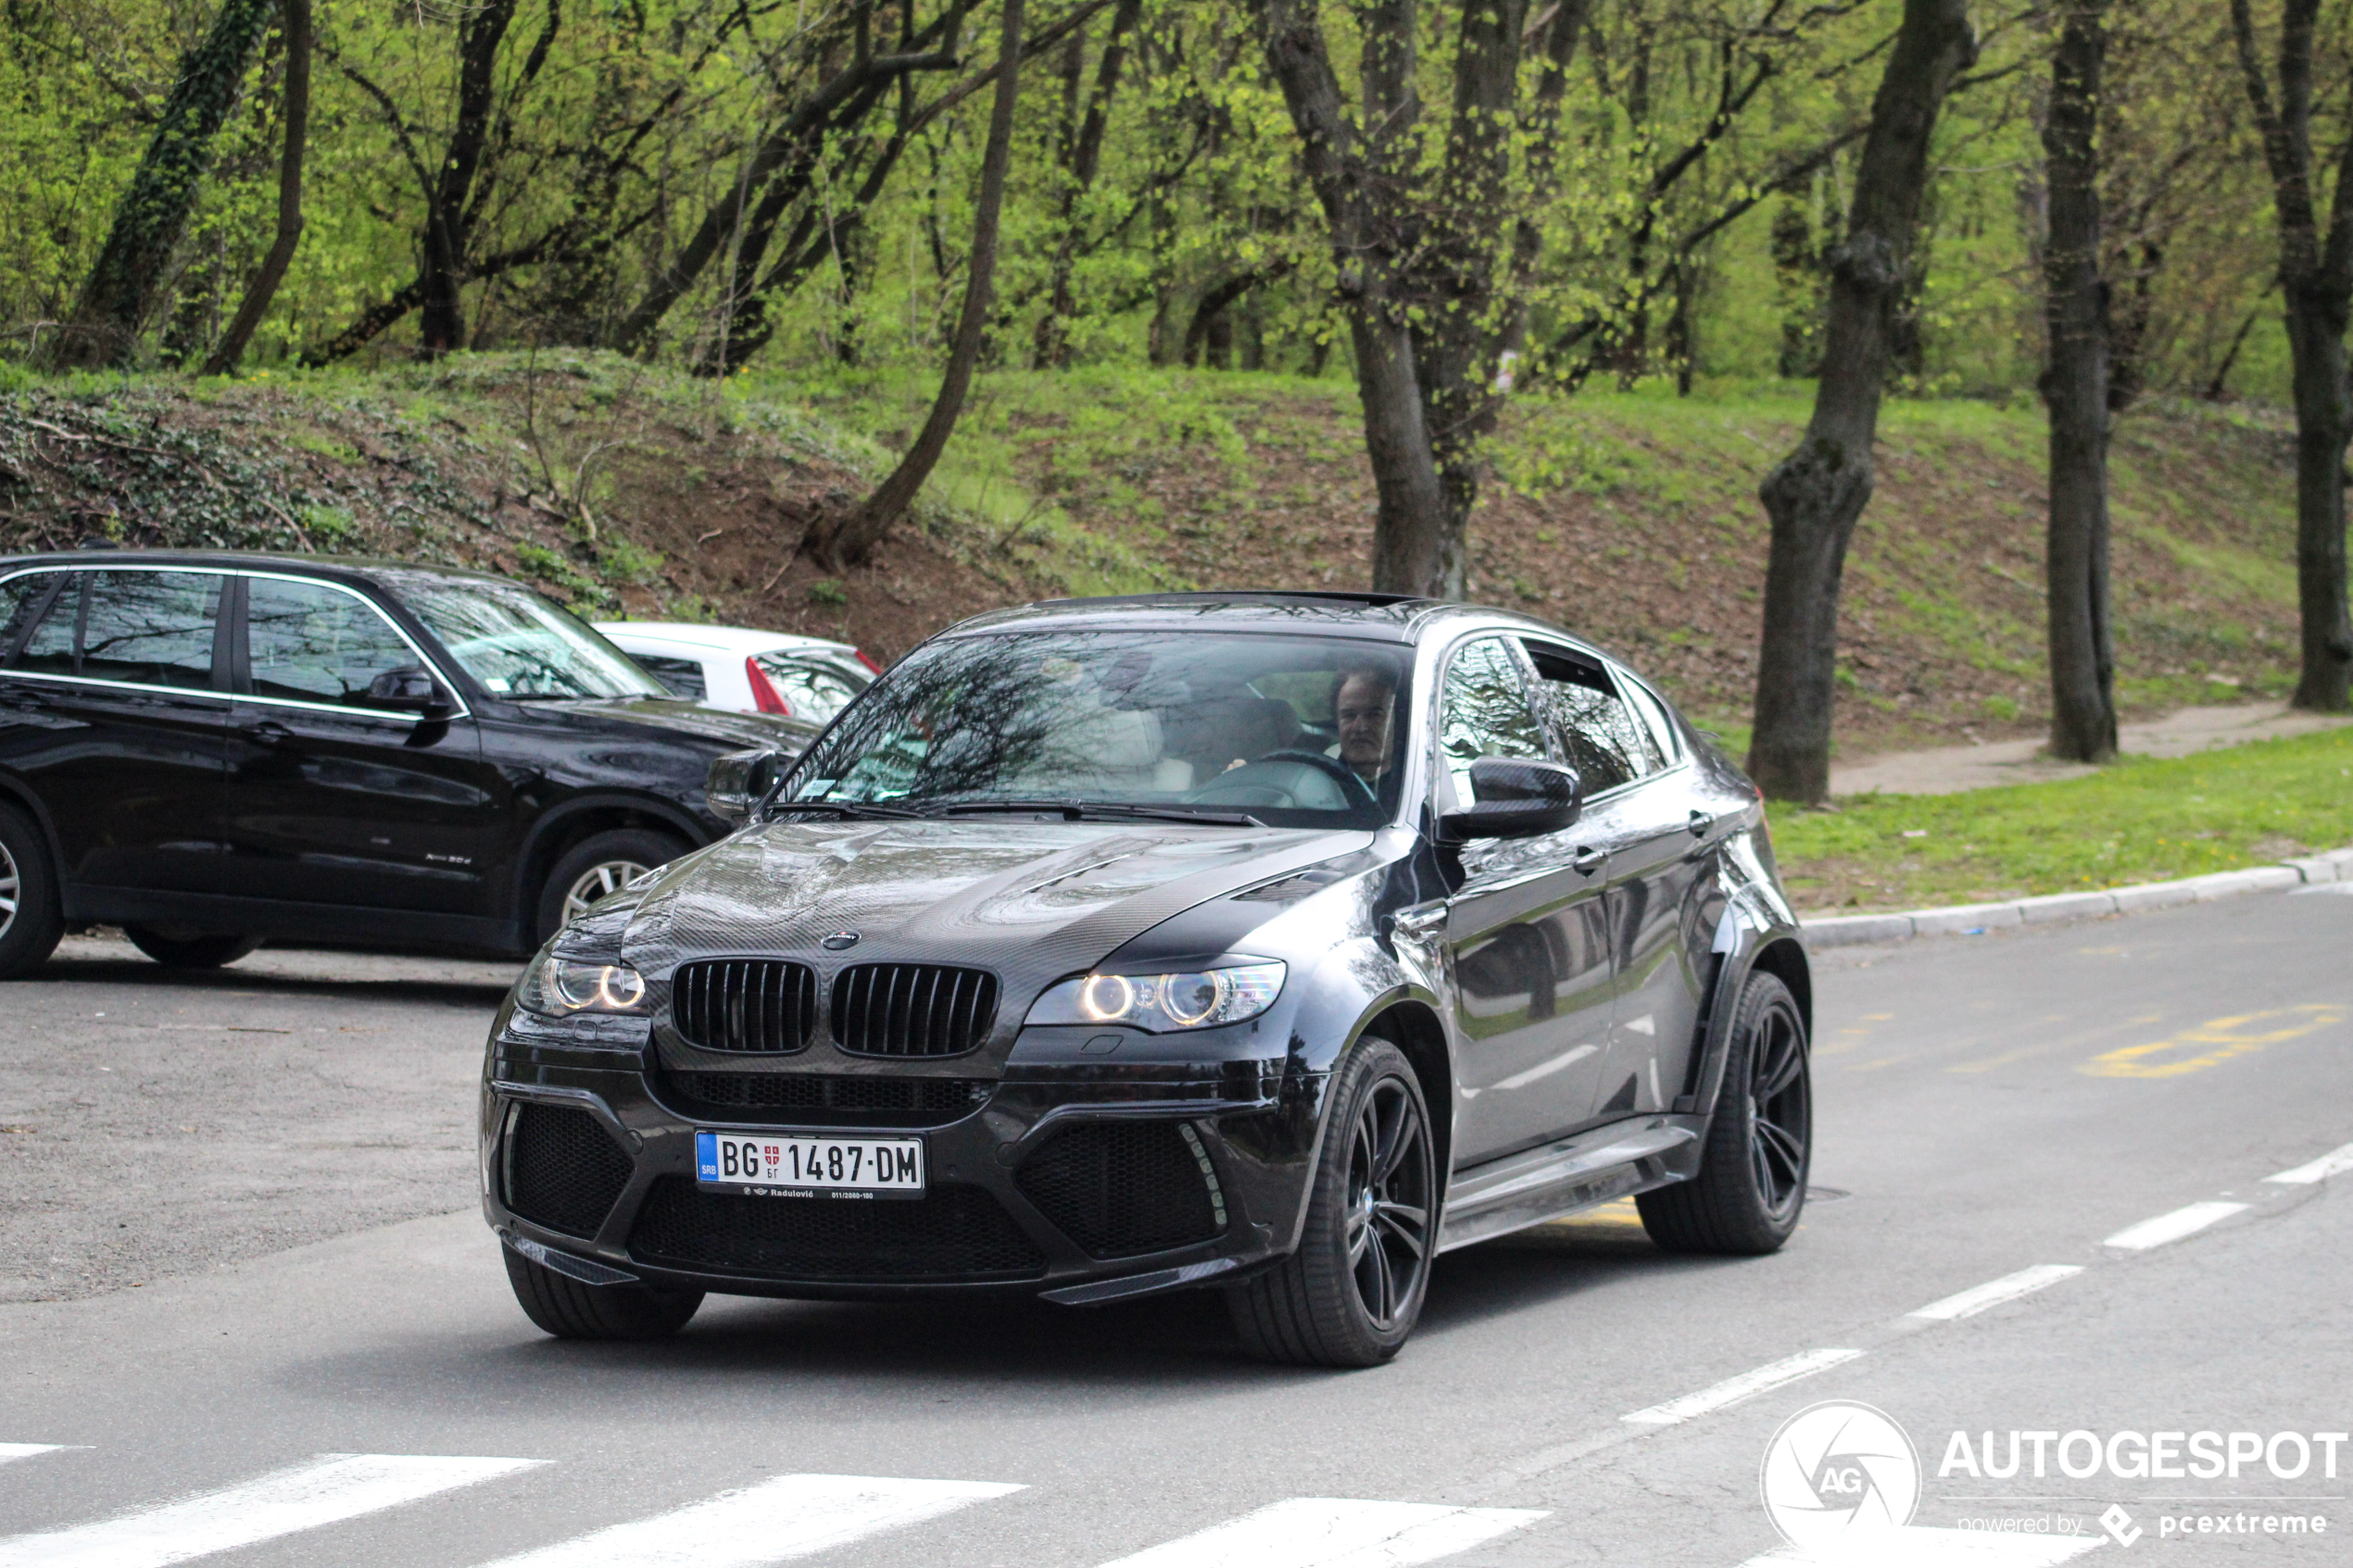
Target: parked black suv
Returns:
[[213, 749]]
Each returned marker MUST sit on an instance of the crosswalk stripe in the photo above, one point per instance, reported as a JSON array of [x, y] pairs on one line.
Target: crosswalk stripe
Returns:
[[1335, 1533], [25, 1450], [331, 1488], [790, 1516], [1916, 1546]]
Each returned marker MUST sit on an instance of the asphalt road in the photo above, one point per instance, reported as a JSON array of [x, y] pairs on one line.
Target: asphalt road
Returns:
[[1987, 1106]]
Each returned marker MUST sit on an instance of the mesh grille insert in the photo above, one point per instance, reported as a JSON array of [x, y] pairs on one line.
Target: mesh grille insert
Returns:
[[951, 1233], [913, 1010], [1119, 1188], [928, 1102], [745, 1004], [563, 1168]]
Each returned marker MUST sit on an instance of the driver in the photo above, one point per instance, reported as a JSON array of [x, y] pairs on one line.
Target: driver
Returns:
[[1361, 708]]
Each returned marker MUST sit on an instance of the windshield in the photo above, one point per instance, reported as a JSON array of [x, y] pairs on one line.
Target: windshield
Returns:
[[520, 646], [1294, 731]]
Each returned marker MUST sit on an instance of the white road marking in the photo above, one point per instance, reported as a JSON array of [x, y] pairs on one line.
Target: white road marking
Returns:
[[1336, 1532], [790, 1516], [2009, 1287], [1772, 1376], [2333, 1163], [330, 1488], [1916, 1546], [2172, 1227], [26, 1450]]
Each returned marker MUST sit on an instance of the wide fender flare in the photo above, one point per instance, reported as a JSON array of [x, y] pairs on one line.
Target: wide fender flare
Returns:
[[1745, 933], [15, 791]]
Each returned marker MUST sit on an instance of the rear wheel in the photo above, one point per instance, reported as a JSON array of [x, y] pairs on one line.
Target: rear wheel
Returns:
[[183, 950], [596, 867], [1353, 1292], [564, 1307], [30, 918], [1750, 1185]]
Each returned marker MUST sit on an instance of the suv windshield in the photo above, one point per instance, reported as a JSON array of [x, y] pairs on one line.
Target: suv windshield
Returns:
[[1294, 731], [520, 646]]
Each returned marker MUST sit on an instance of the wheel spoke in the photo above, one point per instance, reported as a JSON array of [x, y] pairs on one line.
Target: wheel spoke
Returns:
[[1389, 1227], [1783, 1070], [1783, 1147], [1384, 1300], [1360, 1235]]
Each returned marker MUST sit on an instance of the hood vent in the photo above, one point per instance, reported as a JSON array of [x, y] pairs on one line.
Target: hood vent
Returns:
[[744, 1005], [910, 1010]]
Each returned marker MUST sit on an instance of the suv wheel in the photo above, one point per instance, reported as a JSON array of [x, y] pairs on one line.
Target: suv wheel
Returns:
[[1353, 1292], [597, 867], [31, 920], [569, 1310], [186, 951], [1750, 1185]]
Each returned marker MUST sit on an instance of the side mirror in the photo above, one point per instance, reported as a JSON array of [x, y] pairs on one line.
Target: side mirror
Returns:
[[1516, 800], [410, 690], [738, 781]]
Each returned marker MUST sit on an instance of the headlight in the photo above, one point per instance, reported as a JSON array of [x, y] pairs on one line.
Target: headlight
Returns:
[[1163, 1002], [561, 986]]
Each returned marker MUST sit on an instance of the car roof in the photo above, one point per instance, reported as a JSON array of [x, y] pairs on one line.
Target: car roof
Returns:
[[1400, 618], [342, 568], [724, 639]]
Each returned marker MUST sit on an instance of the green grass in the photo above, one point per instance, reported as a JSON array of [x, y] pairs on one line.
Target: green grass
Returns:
[[2139, 821]]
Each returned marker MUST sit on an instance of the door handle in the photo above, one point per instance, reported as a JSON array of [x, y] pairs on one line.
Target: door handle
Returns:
[[1701, 821], [268, 733], [1422, 920], [1588, 860]]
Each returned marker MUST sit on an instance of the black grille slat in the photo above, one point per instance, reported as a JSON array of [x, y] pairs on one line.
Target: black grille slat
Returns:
[[821, 1097], [952, 1232], [563, 1170], [913, 1010], [764, 1005], [1121, 1188]]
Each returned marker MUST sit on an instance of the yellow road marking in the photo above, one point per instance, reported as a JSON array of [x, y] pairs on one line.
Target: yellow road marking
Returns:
[[2215, 1041]]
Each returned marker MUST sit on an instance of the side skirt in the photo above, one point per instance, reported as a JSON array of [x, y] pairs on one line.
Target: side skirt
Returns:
[[1575, 1174]]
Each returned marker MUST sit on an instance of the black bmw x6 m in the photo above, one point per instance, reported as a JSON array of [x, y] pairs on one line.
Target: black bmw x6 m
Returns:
[[213, 747], [1274, 943]]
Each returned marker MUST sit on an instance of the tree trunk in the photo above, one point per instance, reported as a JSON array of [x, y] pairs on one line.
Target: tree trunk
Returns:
[[2075, 390], [1051, 349], [2315, 277], [132, 269], [441, 324], [264, 286], [1818, 492], [851, 541]]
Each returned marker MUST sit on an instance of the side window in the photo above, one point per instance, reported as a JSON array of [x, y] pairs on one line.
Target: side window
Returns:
[[49, 651], [1599, 734], [683, 677], [311, 643], [809, 689], [1664, 740], [153, 628], [20, 600], [1484, 712]]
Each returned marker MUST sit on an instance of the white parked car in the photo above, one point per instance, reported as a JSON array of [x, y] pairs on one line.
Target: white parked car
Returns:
[[746, 671]]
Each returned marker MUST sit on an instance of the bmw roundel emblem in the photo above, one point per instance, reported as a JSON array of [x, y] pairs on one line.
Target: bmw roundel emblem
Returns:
[[840, 941]]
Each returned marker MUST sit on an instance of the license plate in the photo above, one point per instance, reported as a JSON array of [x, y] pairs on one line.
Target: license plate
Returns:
[[801, 1166]]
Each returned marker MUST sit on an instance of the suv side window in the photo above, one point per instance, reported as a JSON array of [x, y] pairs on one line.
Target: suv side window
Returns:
[[1664, 739], [307, 642], [49, 651], [20, 600], [1599, 735], [1484, 712], [150, 628]]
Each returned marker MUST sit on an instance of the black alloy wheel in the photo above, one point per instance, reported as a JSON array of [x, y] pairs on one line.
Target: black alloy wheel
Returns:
[[1351, 1293], [1751, 1187], [30, 922]]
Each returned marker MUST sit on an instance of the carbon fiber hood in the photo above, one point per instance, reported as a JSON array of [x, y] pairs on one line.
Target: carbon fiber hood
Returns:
[[1033, 901]]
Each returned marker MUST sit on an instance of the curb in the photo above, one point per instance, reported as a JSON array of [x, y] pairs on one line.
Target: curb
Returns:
[[1970, 920]]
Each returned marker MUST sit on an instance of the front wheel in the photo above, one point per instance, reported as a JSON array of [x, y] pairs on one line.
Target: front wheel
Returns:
[[189, 951], [1353, 1292], [1750, 1185], [596, 867], [569, 1310], [31, 924]]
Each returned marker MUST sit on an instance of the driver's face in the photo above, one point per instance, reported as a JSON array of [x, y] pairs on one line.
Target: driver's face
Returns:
[[1363, 710]]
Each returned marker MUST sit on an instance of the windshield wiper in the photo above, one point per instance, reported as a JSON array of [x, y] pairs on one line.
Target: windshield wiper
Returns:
[[847, 809], [1084, 810]]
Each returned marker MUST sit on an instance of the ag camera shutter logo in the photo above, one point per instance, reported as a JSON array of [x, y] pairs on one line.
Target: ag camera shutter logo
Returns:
[[1836, 1471]]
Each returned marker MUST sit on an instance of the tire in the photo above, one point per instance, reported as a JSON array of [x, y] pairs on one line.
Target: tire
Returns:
[[32, 916], [190, 952], [599, 864], [1353, 1290], [1751, 1187], [564, 1307]]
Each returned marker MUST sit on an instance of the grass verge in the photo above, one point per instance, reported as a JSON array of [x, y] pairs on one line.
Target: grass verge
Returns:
[[2140, 821]]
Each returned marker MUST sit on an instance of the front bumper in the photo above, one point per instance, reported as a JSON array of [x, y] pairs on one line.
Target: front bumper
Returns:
[[1242, 1126]]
